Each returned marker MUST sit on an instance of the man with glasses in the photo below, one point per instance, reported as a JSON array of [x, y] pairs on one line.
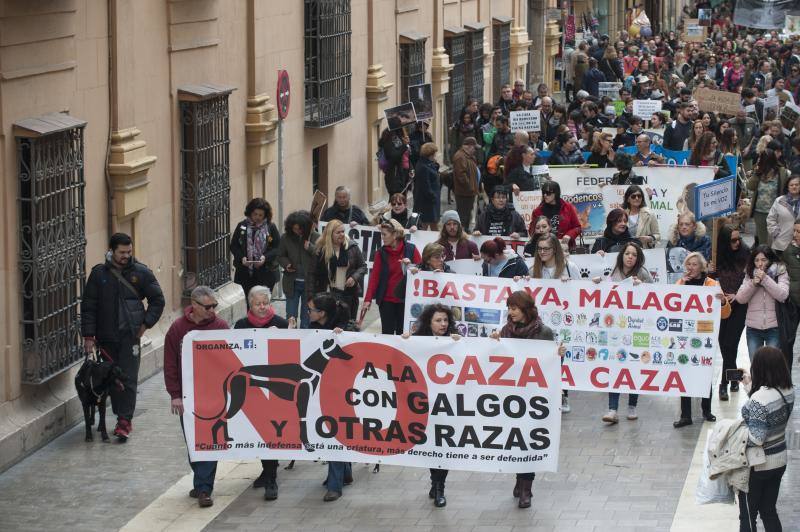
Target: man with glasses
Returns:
[[200, 315], [113, 318], [644, 156]]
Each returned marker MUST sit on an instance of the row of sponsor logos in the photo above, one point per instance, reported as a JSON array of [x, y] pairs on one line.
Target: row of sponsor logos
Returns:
[[580, 353], [623, 321]]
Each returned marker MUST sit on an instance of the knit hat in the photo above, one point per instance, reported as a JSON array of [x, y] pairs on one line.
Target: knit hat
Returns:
[[450, 216], [582, 94]]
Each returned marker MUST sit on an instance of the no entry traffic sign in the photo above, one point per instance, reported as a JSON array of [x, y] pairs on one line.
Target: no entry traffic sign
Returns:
[[283, 94]]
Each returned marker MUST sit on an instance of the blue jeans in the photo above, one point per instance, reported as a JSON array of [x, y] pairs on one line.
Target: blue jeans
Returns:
[[760, 337], [336, 473], [613, 400], [204, 472], [295, 301]]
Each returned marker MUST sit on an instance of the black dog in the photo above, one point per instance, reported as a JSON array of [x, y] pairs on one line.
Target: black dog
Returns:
[[297, 382], [94, 382]]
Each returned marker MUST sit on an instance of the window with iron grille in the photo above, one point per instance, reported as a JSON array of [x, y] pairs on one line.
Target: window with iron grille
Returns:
[[205, 186], [52, 239], [412, 67], [502, 56], [473, 65], [327, 62], [456, 98]]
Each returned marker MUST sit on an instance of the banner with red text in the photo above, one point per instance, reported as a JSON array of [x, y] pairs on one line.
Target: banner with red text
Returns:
[[648, 338], [433, 402]]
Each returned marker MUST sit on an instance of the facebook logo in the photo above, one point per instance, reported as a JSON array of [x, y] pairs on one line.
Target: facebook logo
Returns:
[[249, 343]]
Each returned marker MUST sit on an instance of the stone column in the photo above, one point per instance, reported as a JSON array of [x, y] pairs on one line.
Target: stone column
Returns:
[[377, 89], [440, 75], [128, 163]]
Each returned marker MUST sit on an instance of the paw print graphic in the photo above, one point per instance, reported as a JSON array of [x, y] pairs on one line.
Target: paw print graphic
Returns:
[[585, 273], [606, 272]]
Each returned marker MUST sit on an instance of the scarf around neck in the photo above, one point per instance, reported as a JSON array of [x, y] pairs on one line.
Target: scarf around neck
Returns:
[[527, 331], [257, 238], [261, 322]]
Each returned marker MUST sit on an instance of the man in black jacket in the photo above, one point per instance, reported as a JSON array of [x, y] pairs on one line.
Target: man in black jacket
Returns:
[[679, 129], [114, 318], [343, 210]]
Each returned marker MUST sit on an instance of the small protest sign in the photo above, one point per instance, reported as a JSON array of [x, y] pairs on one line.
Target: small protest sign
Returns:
[[525, 121], [422, 98], [401, 116], [644, 109]]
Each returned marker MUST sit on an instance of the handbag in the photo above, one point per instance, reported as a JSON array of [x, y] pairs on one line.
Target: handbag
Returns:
[[581, 248]]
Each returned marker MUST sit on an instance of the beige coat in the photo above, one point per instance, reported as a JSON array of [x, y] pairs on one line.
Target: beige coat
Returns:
[[647, 226]]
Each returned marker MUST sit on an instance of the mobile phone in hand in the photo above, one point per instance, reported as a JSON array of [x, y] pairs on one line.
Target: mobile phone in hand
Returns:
[[734, 375]]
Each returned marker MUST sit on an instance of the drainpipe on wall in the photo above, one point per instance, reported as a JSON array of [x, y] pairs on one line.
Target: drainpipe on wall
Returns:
[[111, 11]]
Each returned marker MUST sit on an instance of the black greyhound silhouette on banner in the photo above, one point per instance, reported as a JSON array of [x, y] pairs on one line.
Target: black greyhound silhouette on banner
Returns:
[[297, 382]]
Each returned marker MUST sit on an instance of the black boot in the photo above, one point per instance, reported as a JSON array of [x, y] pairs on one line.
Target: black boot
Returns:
[[525, 493], [734, 386], [723, 392], [270, 489], [438, 494], [517, 488]]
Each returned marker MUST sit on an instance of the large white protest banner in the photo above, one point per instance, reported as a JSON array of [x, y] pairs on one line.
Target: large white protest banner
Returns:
[[670, 190], [481, 405], [646, 338]]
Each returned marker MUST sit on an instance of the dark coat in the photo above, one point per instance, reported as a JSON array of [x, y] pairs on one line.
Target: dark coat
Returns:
[[396, 176], [265, 275], [352, 214], [427, 190], [515, 267], [591, 81], [611, 69], [276, 321], [109, 310], [291, 251], [488, 222], [318, 278], [525, 181]]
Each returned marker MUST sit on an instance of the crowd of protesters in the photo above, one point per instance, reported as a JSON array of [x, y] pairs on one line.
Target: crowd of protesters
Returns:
[[323, 274]]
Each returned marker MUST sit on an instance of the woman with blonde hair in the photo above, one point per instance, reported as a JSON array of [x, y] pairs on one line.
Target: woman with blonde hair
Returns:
[[602, 152], [338, 267], [690, 234]]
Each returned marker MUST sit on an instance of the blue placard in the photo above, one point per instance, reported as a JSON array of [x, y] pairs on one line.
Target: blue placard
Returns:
[[720, 203]]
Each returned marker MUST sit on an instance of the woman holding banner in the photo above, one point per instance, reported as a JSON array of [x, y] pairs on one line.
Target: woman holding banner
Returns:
[[331, 314], [436, 320], [261, 315], [541, 227], [642, 223], [629, 265], [690, 234], [732, 257], [389, 271], [497, 264], [454, 239], [562, 215], [550, 261], [616, 234], [695, 270], [524, 323], [338, 268]]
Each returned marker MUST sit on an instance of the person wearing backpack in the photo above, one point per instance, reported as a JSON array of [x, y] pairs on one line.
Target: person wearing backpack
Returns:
[[388, 272]]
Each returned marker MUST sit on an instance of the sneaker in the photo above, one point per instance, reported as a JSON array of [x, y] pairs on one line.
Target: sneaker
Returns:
[[565, 408], [123, 430], [611, 417], [331, 496], [632, 413]]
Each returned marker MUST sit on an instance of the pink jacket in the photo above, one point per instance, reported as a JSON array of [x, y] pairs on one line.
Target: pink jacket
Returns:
[[761, 299]]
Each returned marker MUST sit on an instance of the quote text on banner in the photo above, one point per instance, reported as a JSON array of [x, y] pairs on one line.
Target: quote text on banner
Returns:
[[648, 338], [357, 397]]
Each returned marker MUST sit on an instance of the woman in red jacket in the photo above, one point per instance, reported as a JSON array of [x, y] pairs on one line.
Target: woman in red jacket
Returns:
[[388, 271], [562, 215]]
